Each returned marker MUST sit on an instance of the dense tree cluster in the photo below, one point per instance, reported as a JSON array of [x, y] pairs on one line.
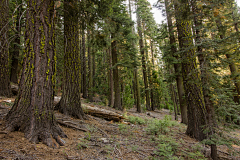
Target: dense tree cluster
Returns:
[[88, 48]]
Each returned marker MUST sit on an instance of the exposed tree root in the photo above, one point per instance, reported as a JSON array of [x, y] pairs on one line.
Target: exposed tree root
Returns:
[[71, 125]]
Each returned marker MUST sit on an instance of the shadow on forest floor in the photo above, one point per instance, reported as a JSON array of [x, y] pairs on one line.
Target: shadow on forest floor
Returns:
[[150, 135]]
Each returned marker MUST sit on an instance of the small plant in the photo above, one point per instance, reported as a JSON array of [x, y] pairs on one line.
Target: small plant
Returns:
[[136, 120], [88, 136], [82, 144], [108, 149], [166, 147], [123, 128], [156, 126]]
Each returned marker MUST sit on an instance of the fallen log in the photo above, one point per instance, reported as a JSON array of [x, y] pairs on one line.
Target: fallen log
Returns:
[[103, 113], [97, 112]]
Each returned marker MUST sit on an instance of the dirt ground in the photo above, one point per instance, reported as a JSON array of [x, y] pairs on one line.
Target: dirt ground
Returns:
[[109, 140]]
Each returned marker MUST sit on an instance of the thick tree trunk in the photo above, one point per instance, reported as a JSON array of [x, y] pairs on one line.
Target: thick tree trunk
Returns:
[[32, 112], [192, 84], [177, 66], [70, 104], [144, 68], [110, 75], [5, 89], [90, 77], [16, 49], [117, 90]]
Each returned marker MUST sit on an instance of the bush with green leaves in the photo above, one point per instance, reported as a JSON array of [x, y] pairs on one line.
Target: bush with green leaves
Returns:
[[156, 126], [136, 120], [166, 147]]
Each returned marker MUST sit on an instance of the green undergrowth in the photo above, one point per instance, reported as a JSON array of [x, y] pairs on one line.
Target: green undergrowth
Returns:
[[136, 120], [156, 126]]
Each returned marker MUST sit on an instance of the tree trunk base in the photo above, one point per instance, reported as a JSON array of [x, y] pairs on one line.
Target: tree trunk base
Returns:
[[75, 112], [49, 134]]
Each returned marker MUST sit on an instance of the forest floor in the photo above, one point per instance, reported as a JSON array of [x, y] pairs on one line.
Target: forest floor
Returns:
[[149, 135]]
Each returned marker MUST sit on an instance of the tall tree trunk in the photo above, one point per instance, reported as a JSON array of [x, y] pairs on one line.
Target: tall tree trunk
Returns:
[[32, 111], [136, 87], [110, 75], [144, 68], [5, 89], [117, 90], [84, 71], [90, 77], [16, 48], [203, 60], [70, 103], [192, 84], [177, 66]]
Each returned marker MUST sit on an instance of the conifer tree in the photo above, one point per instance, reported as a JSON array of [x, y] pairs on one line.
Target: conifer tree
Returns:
[[135, 72], [32, 111], [192, 84], [205, 75], [177, 66], [144, 68], [70, 103]]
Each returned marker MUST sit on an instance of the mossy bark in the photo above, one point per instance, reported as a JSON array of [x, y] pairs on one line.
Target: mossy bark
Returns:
[[32, 111], [70, 103], [177, 66], [192, 84], [5, 89]]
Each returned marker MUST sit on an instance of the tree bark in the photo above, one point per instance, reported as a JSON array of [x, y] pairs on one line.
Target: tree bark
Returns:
[[177, 66], [5, 89], [117, 90], [192, 84], [70, 103], [32, 111], [111, 85]]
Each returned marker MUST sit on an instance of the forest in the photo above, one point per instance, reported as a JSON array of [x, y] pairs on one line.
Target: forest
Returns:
[[101, 79]]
